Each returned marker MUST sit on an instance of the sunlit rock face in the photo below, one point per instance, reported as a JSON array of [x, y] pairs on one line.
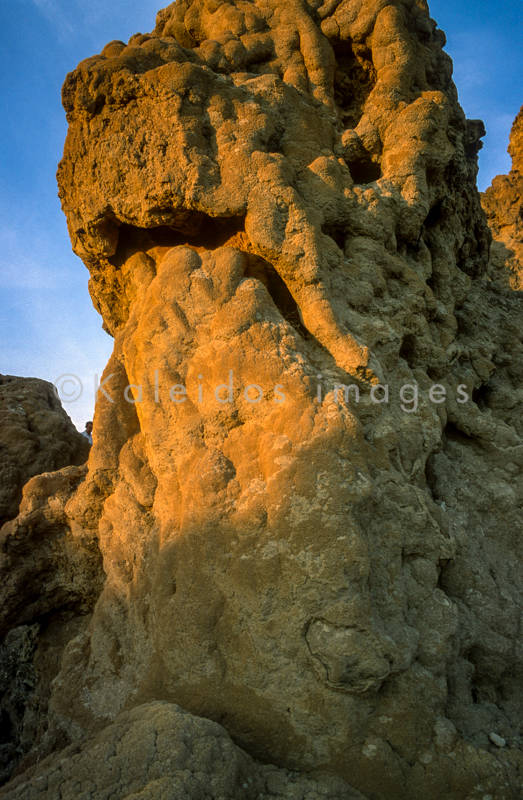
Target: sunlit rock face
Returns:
[[275, 199], [503, 204]]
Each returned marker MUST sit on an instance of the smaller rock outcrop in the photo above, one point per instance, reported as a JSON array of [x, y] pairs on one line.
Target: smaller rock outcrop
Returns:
[[503, 204], [36, 436], [50, 569]]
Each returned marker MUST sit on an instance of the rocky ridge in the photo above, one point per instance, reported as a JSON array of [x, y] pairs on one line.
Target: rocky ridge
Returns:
[[282, 197], [503, 204]]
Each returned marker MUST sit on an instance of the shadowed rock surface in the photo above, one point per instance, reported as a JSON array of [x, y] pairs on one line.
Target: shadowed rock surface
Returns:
[[50, 578], [160, 752], [283, 196], [503, 204], [36, 435], [42, 573]]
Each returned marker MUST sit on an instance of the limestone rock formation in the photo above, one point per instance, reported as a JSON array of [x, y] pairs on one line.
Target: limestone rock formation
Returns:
[[276, 201], [503, 204], [36, 436]]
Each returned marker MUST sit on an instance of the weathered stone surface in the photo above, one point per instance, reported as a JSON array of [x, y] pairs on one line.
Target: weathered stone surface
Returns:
[[42, 571], [503, 204], [159, 752], [17, 684], [29, 662], [283, 195], [48, 561], [50, 575], [36, 436]]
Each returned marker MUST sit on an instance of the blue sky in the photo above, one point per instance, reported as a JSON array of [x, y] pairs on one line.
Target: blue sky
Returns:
[[485, 41], [47, 324]]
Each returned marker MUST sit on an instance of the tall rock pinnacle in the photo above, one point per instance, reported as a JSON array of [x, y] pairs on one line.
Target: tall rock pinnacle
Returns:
[[503, 204], [306, 479]]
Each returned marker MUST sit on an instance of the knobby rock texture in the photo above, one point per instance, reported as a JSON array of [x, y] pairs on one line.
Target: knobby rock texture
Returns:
[[160, 752], [503, 204], [282, 196]]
